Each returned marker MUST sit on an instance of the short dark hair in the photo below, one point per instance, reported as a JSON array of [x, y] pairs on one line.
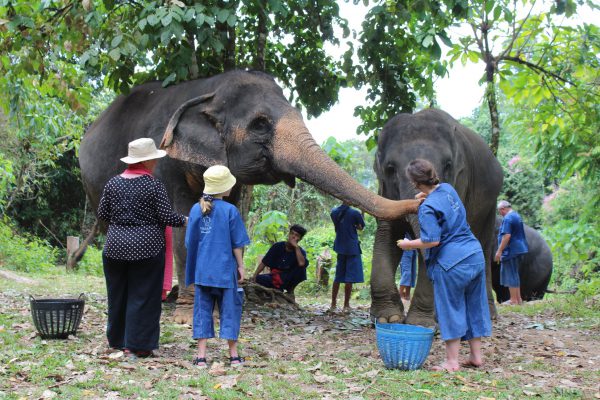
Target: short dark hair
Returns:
[[422, 172], [299, 229]]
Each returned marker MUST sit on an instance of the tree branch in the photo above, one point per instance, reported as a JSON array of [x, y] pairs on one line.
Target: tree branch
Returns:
[[537, 68]]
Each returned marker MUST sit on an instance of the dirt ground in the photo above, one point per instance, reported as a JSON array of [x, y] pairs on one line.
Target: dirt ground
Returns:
[[548, 354]]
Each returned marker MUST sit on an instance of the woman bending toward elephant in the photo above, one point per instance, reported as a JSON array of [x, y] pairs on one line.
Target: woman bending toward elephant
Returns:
[[455, 265]]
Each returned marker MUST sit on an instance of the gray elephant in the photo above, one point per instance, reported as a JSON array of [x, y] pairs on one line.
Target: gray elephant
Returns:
[[462, 159], [239, 119], [535, 269]]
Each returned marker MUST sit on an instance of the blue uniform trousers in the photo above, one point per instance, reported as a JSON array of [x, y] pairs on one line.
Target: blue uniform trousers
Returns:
[[460, 299], [229, 301], [509, 272], [349, 269]]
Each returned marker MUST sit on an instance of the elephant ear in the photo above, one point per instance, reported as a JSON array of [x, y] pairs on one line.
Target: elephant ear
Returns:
[[192, 134]]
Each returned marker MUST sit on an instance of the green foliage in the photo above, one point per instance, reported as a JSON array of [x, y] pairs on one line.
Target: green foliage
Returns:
[[559, 111], [24, 252], [572, 230], [524, 188], [91, 263], [399, 57], [272, 228]]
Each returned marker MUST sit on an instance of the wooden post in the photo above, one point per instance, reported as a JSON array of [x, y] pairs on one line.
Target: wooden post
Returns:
[[72, 246]]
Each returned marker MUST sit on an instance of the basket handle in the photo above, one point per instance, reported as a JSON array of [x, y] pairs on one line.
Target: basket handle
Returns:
[[31, 298], [81, 296]]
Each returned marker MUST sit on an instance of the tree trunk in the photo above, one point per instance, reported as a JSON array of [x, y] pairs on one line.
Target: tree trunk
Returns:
[[490, 95], [245, 201], [78, 254], [261, 40], [193, 68]]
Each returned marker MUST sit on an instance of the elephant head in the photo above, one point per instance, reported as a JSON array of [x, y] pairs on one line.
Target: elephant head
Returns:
[[245, 122]]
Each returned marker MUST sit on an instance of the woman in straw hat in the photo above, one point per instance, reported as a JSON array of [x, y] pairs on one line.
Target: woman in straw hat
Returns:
[[215, 239], [137, 209]]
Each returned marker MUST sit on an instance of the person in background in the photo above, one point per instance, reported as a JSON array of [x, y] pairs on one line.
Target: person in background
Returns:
[[408, 271], [287, 262], [138, 210], [215, 240], [349, 268], [455, 265], [512, 244]]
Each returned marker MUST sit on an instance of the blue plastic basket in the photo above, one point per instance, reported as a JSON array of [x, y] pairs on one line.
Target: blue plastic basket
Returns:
[[403, 346]]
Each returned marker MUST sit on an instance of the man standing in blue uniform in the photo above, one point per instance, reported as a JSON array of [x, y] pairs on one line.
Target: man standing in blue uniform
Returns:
[[512, 244], [349, 267], [287, 262]]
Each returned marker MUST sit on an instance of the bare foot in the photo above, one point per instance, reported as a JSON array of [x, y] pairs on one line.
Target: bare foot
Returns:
[[445, 367]]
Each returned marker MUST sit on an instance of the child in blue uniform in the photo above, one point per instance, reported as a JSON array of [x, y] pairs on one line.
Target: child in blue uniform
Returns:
[[455, 265], [215, 239]]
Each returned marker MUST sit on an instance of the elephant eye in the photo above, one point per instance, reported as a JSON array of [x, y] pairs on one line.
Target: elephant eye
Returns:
[[390, 169], [260, 125]]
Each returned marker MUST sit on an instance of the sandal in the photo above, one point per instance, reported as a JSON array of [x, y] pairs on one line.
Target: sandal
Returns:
[[200, 362], [236, 361]]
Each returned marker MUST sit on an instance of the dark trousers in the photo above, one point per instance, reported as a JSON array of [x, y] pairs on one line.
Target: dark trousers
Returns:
[[134, 302]]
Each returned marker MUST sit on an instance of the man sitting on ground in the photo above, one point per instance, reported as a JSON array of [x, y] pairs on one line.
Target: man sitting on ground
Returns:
[[287, 262]]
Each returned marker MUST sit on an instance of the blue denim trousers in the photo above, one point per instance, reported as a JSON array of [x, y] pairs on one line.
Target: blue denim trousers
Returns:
[[229, 301], [460, 299]]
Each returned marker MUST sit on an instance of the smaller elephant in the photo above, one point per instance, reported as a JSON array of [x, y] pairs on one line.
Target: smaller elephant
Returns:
[[535, 269]]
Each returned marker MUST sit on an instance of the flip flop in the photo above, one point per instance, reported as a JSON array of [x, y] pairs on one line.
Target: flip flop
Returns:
[[469, 364], [441, 368], [236, 361], [200, 362]]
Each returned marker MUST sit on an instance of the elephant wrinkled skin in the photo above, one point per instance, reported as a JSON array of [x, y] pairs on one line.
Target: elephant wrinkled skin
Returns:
[[535, 269], [461, 159], [239, 119]]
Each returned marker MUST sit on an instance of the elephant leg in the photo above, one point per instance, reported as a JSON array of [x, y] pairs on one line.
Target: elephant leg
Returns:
[[421, 311], [184, 306], [486, 238], [386, 305]]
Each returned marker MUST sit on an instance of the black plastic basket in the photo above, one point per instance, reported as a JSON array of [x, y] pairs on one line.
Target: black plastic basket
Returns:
[[57, 318]]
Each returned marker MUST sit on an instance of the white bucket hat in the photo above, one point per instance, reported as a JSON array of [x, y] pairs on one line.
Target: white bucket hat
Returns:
[[142, 149], [218, 179]]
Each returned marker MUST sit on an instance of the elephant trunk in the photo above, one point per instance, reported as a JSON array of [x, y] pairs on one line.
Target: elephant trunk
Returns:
[[296, 152]]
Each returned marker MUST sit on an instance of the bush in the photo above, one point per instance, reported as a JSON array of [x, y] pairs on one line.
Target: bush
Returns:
[[91, 263], [572, 231], [25, 253]]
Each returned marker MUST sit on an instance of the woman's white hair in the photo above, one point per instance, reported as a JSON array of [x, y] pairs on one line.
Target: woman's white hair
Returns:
[[503, 204]]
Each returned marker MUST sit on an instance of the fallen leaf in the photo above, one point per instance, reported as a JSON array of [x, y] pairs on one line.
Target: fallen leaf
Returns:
[[316, 367], [530, 393], [217, 369], [321, 378]]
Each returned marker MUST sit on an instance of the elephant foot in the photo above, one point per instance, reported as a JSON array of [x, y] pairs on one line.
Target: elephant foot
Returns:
[[423, 319], [184, 309]]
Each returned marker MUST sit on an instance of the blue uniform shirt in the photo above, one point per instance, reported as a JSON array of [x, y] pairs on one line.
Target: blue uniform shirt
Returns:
[[408, 266], [346, 238], [443, 218], [210, 240], [513, 224], [284, 265]]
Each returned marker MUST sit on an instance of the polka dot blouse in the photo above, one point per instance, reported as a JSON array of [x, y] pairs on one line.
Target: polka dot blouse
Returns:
[[137, 211]]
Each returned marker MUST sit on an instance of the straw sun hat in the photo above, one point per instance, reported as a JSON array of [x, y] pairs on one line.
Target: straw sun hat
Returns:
[[142, 149], [218, 179]]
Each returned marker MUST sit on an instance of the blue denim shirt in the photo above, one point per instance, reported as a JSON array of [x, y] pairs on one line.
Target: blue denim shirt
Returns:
[[346, 238], [443, 219], [210, 240], [513, 224]]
